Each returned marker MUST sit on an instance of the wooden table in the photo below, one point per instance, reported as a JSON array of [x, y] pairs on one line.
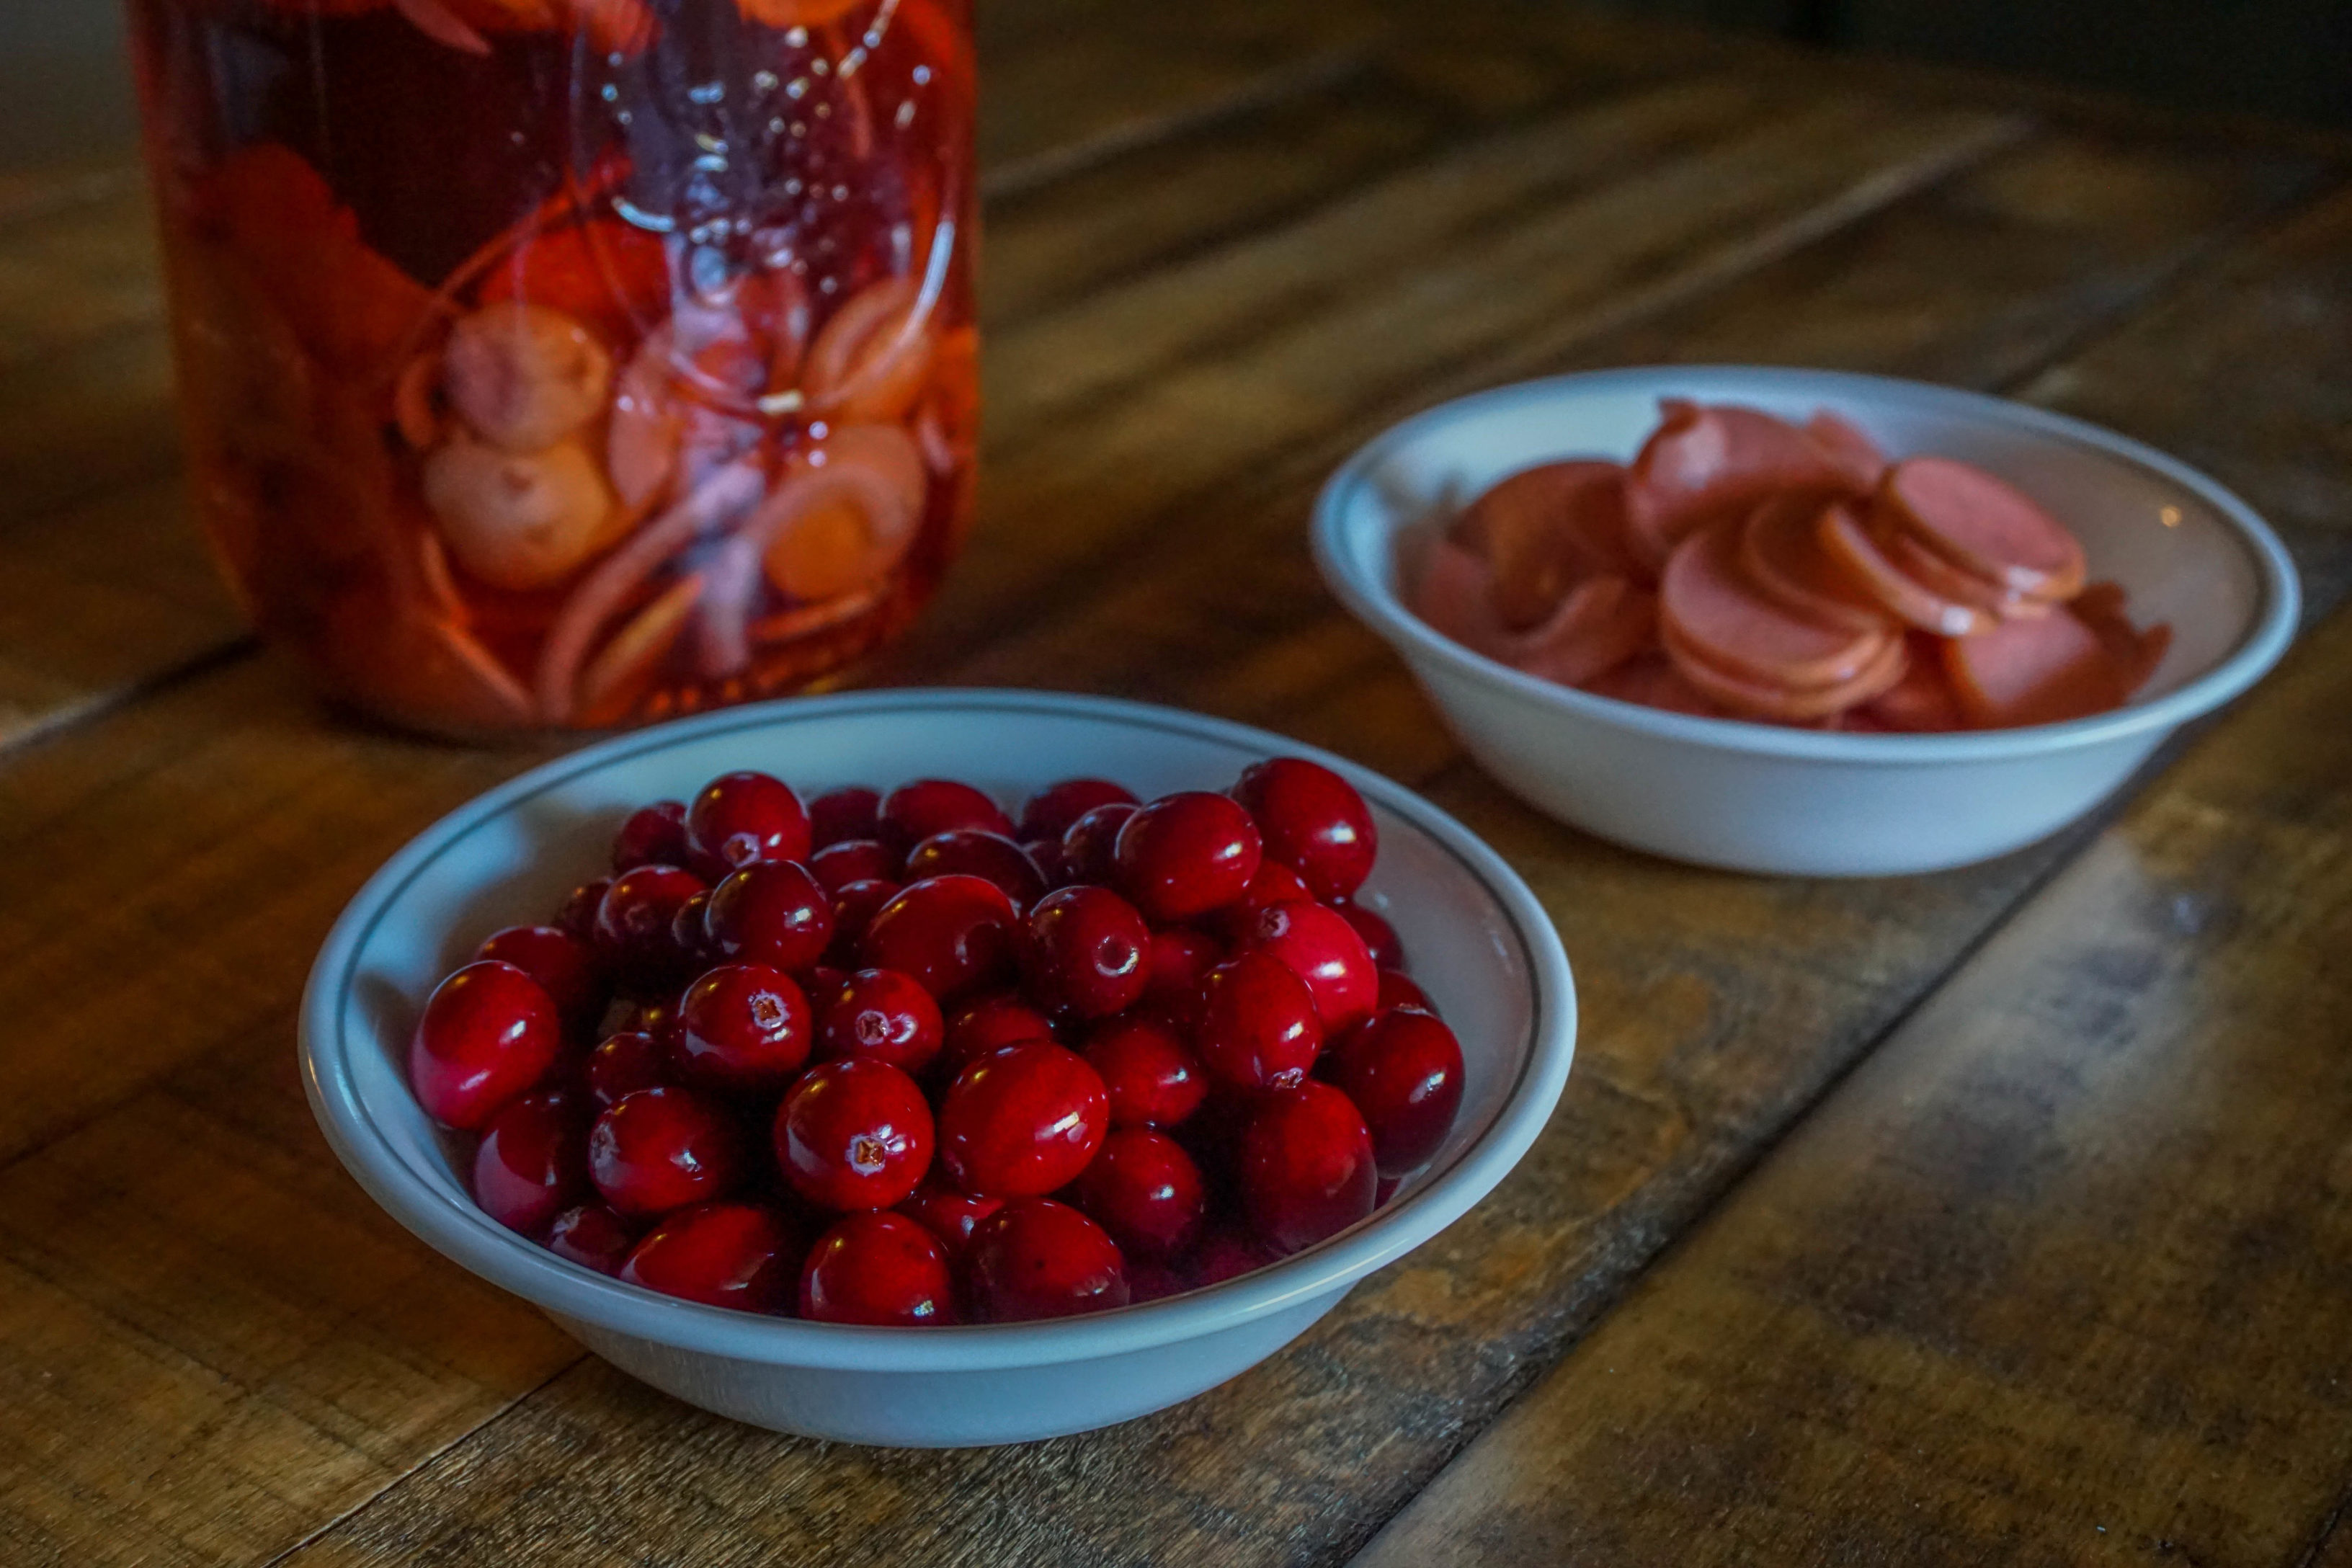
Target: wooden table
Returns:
[[2003, 1217]]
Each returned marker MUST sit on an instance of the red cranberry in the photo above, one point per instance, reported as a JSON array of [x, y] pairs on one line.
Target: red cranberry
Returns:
[[742, 1028], [880, 1015], [656, 1015], [635, 925], [1306, 1166], [837, 814], [1052, 809], [488, 1033], [771, 912], [1314, 820], [1149, 1281], [953, 934], [1185, 855], [1151, 1076], [1398, 990], [913, 812], [593, 1236], [1275, 883], [1378, 935], [1022, 1121], [664, 1148], [723, 1255], [1259, 1028], [1324, 951], [1086, 952], [853, 1134], [1090, 844], [689, 931], [1386, 1189], [532, 1161], [879, 1268], [564, 966], [1181, 960], [949, 1214], [1404, 1071], [970, 852], [836, 865], [1146, 1192], [626, 1063], [577, 915], [1225, 1255], [740, 818], [653, 836], [1046, 854], [853, 908], [986, 1024], [1037, 1258]]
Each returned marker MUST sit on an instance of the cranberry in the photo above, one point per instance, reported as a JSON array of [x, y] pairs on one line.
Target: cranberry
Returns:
[[1323, 950], [853, 908], [1306, 1166], [1259, 1028], [1086, 952], [880, 1015], [949, 1214], [1185, 855], [593, 1236], [1037, 1258], [953, 934], [1386, 1189], [653, 836], [1398, 990], [1151, 1076], [854, 1136], [664, 1148], [626, 1063], [1181, 959], [740, 818], [878, 1268], [772, 912], [913, 812], [564, 966], [656, 1015], [1378, 935], [1314, 820], [488, 1033], [1090, 844], [972, 852], [1046, 854], [689, 931], [837, 865], [838, 815], [1227, 1255], [722, 1255], [532, 1161], [986, 1024], [743, 1027], [1022, 1121], [1146, 1192], [634, 925], [1404, 1071], [1275, 883], [1052, 809], [577, 915], [1149, 1281]]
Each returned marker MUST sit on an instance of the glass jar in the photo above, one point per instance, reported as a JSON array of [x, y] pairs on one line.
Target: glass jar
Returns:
[[570, 362]]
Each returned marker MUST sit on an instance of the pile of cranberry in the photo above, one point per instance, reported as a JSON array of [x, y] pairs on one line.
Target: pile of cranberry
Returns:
[[899, 1060]]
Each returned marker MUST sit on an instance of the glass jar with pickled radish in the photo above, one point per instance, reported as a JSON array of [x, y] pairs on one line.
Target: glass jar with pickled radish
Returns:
[[570, 363]]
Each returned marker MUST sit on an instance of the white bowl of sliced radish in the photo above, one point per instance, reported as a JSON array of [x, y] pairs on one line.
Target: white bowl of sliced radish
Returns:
[[1800, 621]]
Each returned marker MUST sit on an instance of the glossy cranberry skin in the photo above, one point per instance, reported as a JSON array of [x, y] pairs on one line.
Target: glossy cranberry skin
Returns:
[[852, 812], [636, 926], [987, 1023], [880, 1015], [853, 1134], [625, 1063], [742, 1256], [1146, 1192], [1087, 952], [654, 1015], [1037, 1258], [653, 836], [488, 1033], [1151, 1076], [1225, 1254], [577, 915], [913, 812], [689, 933], [564, 966], [1023, 1121], [853, 908], [1090, 844], [949, 1214], [743, 1028], [1306, 1167], [1323, 950], [532, 1161], [771, 912], [877, 1268], [1275, 883], [1149, 1281], [1404, 1071], [953, 934], [1379, 936], [1398, 989], [593, 1236], [664, 1148], [1313, 821], [972, 852], [1046, 854], [1259, 1028], [742, 818], [1181, 959], [836, 865], [1049, 813], [1186, 855]]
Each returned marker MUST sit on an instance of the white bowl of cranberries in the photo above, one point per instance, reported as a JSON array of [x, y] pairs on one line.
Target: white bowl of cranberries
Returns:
[[938, 1067]]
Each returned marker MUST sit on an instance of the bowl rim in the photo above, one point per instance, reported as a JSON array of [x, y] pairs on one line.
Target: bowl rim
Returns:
[[469, 1237], [1375, 601]]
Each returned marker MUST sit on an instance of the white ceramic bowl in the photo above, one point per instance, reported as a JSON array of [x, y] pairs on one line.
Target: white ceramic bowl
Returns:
[[1760, 797], [1477, 938]]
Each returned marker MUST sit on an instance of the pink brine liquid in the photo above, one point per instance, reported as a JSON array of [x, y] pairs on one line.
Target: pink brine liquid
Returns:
[[570, 362]]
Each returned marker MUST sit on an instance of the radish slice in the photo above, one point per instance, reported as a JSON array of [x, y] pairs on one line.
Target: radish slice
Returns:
[[1543, 530], [1456, 595], [1745, 695], [2033, 672], [1855, 454], [1781, 552], [1867, 568], [1651, 681], [1946, 581], [1603, 622], [1922, 702], [1707, 461], [1983, 525], [1704, 600], [2136, 653]]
